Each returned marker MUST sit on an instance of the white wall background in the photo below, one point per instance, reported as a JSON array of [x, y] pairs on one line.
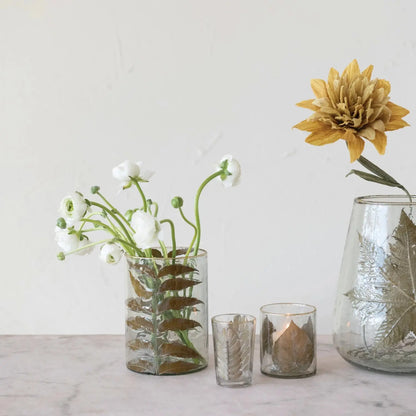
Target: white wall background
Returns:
[[86, 84]]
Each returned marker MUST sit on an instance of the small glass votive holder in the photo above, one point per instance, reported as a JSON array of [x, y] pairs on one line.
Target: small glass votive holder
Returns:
[[288, 340], [234, 336]]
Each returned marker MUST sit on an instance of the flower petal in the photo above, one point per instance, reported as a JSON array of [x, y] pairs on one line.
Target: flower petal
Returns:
[[319, 88], [396, 124], [396, 110], [308, 104], [380, 142], [332, 76], [355, 145], [382, 83], [310, 125], [352, 70], [369, 133], [319, 138], [367, 72], [378, 125]]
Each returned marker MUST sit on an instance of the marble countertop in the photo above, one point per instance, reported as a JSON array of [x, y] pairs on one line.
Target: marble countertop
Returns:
[[86, 375]]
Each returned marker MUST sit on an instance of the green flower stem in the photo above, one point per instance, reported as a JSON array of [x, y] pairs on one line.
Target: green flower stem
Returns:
[[126, 245], [89, 216], [156, 209], [104, 208], [116, 230], [88, 246], [183, 335], [121, 241], [134, 180], [186, 219], [115, 210], [197, 219], [164, 250], [195, 232], [406, 192], [378, 175], [172, 233]]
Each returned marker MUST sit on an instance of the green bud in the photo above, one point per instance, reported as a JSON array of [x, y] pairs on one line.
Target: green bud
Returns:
[[61, 223], [177, 202], [95, 189], [60, 256], [149, 202]]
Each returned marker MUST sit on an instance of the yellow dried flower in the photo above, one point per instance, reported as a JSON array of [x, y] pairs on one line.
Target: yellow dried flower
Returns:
[[351, 107]]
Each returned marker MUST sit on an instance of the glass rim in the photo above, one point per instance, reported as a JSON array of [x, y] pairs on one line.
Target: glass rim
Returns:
[[220, 318], [389, 199], [201, 253], [312, 309]]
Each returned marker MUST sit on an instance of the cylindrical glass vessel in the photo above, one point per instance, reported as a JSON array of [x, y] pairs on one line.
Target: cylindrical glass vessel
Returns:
[[288, 340], [375, 312], [234, 336], [167, 314]]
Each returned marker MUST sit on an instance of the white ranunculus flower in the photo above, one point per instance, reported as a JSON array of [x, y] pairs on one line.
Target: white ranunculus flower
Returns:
[[87, 250], [67, 242], [70, 242], [233, 167], [147, 229], [73, 207], [126, 170], [145, 175], [110, 253]]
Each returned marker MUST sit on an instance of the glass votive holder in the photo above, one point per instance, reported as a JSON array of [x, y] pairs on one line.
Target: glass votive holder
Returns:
[[234, 336], [288, 340]]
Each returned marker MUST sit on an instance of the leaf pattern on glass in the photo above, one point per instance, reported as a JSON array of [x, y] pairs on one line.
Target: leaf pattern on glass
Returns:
[[177, 284], [164, 307], [267, 330], [178, 324], [139, 344], [175, 270], [386, 284], [177, 349], [139, 323], [293, 351], [234, 349], [177, 367], [139, 288], [177, 303], [141, 366], [138, 305], [179, 252]]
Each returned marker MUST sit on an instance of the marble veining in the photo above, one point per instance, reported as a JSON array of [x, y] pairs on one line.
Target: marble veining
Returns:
[[86, 375]]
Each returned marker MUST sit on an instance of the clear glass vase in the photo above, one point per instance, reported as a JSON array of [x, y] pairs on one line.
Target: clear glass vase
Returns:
[[167, 314], [375, 313]]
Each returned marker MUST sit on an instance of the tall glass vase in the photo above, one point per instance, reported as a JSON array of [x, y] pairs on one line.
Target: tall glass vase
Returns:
[[375, 314], [167, 314]]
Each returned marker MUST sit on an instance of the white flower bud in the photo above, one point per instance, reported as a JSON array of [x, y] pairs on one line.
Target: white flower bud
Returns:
[[110, 253], [231, 169], [147, 229], [73, 207]]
